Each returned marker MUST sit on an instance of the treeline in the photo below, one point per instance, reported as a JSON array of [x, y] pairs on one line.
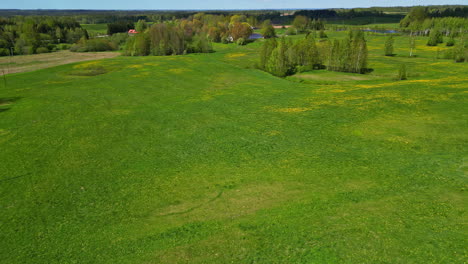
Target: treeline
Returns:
[[29, 35], [303, 24], [168, 39], [119, 27], [419, 21], [284, 57], [192, 35]]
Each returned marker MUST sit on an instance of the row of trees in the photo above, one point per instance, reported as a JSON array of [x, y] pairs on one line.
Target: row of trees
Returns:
[[284, 57], [29, 35], [419, 21], [119, 27], [349, 54], [168, 39]]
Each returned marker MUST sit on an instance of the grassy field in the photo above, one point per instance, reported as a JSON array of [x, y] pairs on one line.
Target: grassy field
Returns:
[[26, 63], [203, 159], [99, 29]]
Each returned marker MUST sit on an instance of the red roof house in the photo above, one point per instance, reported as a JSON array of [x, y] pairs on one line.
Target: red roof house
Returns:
[[132, 31]]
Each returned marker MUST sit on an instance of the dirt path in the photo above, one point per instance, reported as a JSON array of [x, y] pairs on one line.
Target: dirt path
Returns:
[[26, 63]]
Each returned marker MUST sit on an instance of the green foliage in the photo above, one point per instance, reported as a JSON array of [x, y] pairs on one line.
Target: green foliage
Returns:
[[279, 63], [119, 39], [350, 54], [27, 34], [42, 50], [402, 72], [460, 51], [63, 46], [265, 52], [268, 31], [240, 30], [214, 33], [291, 31], [416, 15], [322, 34], [435, 37], [4, 52], [389, 46], [450, 42], [301, 23], [201, 44], [169, 39], [241, 41], [141, 26], [119, 27], [93, 45]]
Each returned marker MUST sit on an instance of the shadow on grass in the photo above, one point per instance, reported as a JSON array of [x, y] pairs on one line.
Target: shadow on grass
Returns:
[[6, 102]]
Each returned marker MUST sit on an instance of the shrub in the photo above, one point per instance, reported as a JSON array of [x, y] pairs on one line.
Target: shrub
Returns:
[[92, 45], [322, 34], [4, 52], [402, 72], [291, 31], [389, 46], [27, 50], [225, 39], [268, 31], [435, 37], [450, 42], [119, 39], [63, 46], [303, 68], [52, 47], [42, 50], [241, 41]]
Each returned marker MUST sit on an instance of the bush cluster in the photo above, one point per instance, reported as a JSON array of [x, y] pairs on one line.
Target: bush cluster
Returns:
[[93, 45]]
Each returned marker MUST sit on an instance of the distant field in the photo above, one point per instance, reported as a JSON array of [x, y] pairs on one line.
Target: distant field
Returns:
[[366, 20], [95, 28], [26, 63], [204, 159]]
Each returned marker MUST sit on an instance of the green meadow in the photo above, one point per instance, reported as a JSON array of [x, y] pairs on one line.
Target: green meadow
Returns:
[[202, 158], [95, 28]]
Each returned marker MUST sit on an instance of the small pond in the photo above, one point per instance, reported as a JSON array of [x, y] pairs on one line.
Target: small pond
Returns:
[[256, 36]]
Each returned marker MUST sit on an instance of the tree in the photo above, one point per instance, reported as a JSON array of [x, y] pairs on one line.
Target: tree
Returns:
[[402, 72], [141, 26], [412, 44], [461, 51], [435, 37], [301, 23], [238, 19], [241, 30], [417, 14], [450, 42], [268, 31], [214, 33], [265, 52], [241, 41], [389, 46], [349, 55], [322, 34], [279, 64]]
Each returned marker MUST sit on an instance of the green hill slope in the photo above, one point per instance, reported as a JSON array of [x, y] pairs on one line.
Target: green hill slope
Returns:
[[198, 159]]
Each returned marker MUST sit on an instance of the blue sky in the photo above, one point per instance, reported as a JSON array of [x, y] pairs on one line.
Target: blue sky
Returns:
[[211, 4]]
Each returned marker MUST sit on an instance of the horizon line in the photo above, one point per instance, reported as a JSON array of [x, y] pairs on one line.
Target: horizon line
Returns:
[[214, 9]]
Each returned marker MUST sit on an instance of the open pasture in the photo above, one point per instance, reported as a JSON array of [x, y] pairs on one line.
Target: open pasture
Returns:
[[202, 159]]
